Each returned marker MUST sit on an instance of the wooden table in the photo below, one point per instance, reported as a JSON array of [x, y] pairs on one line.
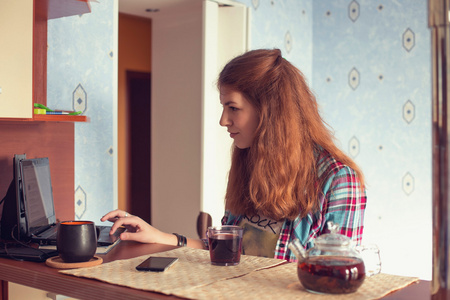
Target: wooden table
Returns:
[[38, 275]]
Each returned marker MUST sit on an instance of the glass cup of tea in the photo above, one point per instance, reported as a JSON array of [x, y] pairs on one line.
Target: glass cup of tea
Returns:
[[225, 244]]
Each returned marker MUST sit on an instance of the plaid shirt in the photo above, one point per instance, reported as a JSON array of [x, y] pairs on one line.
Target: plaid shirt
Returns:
[[342, 201]]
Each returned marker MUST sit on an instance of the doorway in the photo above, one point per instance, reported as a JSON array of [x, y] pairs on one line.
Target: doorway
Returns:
[[134, 115], [139, 131]]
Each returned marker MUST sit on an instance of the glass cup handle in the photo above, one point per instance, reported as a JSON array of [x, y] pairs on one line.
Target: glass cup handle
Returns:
[[371, 256]]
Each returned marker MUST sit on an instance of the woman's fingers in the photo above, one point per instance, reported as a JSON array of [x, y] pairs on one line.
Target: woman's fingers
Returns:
[[128, 222], [114, 215], [137, 229]]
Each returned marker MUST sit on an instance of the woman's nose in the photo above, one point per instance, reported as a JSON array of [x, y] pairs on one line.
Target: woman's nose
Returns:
[[224, 120]]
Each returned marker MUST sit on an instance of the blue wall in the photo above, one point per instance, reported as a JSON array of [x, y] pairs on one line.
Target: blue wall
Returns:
[[385, 120], [81, 61], [287, 25]]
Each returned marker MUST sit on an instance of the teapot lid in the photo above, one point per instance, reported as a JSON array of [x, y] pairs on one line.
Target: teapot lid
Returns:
[[333, 239]]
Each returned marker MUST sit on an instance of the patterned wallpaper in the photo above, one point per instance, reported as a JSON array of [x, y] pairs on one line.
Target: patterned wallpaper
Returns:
[[81, 77], [376, 93], [369, 63], [287, 25]]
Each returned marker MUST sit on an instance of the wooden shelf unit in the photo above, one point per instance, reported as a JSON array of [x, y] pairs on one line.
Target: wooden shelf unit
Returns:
[[59, 118]]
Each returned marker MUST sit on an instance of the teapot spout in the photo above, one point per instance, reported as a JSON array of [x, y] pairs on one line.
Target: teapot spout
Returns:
[[298, 249]]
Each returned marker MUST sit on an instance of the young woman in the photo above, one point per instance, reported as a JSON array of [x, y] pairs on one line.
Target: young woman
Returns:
[[287, 177]]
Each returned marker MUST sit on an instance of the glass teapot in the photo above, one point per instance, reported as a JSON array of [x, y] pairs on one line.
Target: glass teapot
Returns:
[[334, 265]]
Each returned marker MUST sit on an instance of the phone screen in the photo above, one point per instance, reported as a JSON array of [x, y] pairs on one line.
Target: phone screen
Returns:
[[156, 264]]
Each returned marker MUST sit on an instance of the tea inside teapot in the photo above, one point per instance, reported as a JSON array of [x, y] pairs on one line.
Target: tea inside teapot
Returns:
[[331, 274], [332, 266]]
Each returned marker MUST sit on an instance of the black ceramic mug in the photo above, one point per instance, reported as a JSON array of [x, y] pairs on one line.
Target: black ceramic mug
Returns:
[[76, 241]]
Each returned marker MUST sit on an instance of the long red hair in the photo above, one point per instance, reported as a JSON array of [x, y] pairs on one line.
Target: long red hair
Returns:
[[277, 176]]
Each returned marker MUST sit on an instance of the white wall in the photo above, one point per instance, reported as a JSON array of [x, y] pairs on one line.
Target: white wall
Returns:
[[190, 151], [225, 36], [176, 119]]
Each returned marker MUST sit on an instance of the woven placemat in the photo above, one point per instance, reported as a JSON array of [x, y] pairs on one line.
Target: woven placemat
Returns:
[[193, 269], [282, 281]]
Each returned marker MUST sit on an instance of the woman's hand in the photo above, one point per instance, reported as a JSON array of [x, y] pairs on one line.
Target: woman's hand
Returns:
[[137, 229]]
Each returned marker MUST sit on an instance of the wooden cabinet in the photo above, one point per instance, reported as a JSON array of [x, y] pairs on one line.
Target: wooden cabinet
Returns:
[[23, 54], [16, 58]]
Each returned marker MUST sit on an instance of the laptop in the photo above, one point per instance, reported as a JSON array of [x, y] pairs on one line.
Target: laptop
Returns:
[[35, 206]]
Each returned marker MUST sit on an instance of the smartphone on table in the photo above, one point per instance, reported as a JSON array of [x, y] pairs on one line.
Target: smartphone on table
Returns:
[[156, 264]]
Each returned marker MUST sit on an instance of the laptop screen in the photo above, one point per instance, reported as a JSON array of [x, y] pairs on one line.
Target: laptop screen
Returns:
[[37, 194]]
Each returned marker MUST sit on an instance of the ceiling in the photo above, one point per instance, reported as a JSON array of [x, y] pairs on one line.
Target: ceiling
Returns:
[[140, 7]]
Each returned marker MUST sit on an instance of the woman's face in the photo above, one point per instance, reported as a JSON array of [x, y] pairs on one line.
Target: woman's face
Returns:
[[239, 116]]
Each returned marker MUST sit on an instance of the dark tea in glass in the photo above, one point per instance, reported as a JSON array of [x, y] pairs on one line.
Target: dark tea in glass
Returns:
[[331, 274], [225, 245]]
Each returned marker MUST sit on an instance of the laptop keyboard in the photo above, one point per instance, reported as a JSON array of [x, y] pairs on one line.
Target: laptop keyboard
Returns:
[[49, 236]]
